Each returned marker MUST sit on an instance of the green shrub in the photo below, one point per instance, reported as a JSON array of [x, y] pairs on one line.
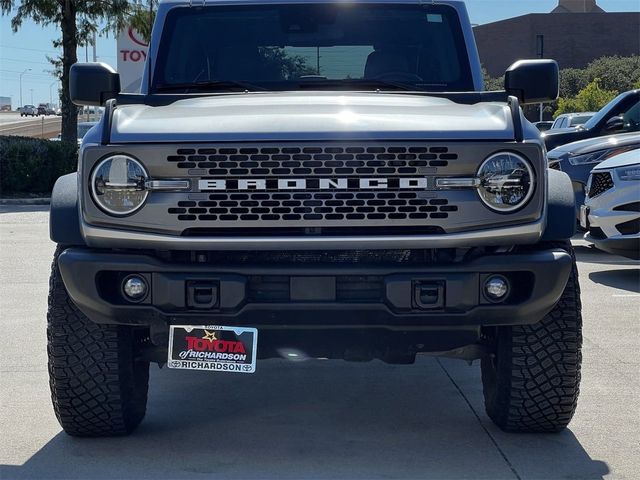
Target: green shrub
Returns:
[[590, 99], [32, 165]]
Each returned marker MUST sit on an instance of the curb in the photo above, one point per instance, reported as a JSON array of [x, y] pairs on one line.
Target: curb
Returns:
[[25, 201]]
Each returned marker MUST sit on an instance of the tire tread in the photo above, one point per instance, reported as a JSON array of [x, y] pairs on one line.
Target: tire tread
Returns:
[[536, 382], [97, 388]]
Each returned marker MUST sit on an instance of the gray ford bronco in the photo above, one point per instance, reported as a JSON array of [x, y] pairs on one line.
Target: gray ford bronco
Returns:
[[312, 179]]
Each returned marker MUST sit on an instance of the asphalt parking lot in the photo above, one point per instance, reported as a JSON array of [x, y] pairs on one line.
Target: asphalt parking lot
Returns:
[[319, 419]]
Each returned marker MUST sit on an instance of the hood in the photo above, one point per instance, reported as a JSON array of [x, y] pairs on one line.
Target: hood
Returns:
[[623, 160], [560, 131], [594, 144], [310, 116]]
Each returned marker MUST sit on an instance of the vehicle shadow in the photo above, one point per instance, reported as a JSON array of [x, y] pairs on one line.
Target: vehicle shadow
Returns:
[[315, 419], [622, 279], [590, 254]]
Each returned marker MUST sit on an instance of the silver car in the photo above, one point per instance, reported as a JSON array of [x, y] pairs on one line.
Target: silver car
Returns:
[[571, 120], [29, 111]]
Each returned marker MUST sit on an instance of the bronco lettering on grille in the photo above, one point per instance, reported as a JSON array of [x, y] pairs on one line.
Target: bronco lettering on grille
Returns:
[[377, 183]]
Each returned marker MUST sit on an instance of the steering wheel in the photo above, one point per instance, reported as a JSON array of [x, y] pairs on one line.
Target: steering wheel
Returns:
[[399, 77]]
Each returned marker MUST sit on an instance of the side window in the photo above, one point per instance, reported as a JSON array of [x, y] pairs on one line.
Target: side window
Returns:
[[631, 118], [563, 122]]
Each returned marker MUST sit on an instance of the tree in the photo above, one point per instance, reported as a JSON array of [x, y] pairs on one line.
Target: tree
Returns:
[[490, 83], [590, 99], [77, 21], [142, 17], [572, 80], [615, 73]]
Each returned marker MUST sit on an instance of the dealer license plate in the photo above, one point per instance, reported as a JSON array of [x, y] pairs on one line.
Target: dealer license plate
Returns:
[[213, 347]]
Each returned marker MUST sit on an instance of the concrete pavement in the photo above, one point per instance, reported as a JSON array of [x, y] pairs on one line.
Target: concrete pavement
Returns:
[[318, 419]]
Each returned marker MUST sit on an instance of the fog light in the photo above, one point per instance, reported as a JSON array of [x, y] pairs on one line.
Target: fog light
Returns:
[[496, 288], [134, 287]]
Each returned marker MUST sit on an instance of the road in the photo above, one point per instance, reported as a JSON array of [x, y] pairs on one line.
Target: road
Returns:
[[319, 419], [39, 127]]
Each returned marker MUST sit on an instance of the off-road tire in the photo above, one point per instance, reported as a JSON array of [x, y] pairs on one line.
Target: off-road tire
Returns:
[[532, 382], [97, 387]]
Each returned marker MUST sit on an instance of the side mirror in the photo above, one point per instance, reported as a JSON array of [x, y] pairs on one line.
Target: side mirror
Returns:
[[533, 81], [614, 123], [93, 83]]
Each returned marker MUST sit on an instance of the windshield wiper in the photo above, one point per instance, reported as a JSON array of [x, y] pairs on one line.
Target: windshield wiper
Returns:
[[208, 85], [361, 82]]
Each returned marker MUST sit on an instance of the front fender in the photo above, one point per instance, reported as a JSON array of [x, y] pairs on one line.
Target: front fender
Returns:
[[561, 208], [64, 216]]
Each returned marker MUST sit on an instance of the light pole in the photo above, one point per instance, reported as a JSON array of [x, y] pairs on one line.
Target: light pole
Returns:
[[27, 70], [51, 94], [31, 90]]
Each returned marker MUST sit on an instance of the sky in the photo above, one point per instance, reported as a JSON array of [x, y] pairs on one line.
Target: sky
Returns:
[[28, 48]]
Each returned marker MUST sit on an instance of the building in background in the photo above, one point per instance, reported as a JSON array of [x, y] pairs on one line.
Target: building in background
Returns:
[[5, 104], [574, 33]]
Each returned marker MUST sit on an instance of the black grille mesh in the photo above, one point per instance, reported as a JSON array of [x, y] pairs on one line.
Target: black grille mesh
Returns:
[[312, 161], [252, 206], [600, 183]]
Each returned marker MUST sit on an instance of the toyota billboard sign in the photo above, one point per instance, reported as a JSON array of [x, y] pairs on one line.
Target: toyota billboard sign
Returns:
[[132, 53]]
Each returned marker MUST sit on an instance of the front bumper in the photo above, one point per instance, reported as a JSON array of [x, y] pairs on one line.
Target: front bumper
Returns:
[[328, 296], [527, 234]]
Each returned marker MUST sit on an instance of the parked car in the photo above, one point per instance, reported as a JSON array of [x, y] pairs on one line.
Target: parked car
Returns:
[[578, 158], [83, 129], [28, 111], [611, 212], [571, 120], [543, 126], [45, 109], [620, 115]]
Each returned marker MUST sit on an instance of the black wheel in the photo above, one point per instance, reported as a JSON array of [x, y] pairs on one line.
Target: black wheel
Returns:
[[97, 387], [532, 382]]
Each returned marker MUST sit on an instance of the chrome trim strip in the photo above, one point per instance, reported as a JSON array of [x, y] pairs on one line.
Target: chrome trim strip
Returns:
[[109, 238], [167, 185], [460, 182]]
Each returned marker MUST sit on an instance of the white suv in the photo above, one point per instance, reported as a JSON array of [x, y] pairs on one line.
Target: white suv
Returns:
[[612, 209]]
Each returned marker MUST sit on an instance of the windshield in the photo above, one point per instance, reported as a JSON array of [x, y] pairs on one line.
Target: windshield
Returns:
[[613, 108], [580, 119], [330, 46]]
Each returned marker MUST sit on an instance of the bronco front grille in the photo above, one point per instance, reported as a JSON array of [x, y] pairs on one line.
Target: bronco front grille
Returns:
[[312, 205], [317, 188]]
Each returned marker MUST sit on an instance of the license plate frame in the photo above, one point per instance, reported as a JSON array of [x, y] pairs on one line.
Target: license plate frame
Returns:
[[215, 348]]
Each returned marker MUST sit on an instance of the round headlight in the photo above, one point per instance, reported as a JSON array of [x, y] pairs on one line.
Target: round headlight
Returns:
[[118, 185], [506, 182]]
